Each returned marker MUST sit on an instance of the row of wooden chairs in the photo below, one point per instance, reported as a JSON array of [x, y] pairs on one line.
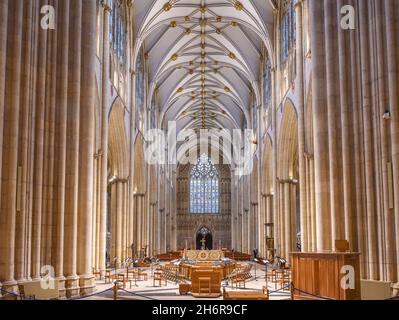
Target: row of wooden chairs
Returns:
[[240, 275], [280, 277], [112, 275]]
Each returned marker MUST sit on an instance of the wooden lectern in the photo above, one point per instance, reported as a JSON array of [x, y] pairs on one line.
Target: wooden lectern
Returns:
[[206, 283], [319, 275]]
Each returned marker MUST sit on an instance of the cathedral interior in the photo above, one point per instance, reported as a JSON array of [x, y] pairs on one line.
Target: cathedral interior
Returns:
[[228, 149]]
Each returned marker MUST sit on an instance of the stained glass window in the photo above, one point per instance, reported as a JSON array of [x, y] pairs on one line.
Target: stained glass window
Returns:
[[140, 82], [118, 31], [288, 29], [204, 187], [267, 76]]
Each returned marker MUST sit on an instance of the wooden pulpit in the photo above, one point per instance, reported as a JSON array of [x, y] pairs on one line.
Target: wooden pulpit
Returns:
[[324, 275]]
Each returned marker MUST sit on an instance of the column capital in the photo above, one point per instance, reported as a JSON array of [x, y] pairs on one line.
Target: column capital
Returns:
[[292, 181], [308, 155], [106, 7], [267, 195]]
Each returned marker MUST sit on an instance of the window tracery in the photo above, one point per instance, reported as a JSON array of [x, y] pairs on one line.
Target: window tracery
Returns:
[[204, 187]]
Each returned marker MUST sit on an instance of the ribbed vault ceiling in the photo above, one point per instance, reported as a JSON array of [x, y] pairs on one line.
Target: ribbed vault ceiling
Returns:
[[204, 58]]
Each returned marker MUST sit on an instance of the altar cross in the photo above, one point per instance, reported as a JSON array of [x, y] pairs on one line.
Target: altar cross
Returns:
[[203, 241]]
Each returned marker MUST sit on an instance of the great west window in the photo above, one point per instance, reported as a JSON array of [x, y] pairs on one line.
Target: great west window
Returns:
[[204, 187]]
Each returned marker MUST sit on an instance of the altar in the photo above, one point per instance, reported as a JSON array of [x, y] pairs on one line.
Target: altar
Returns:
[[203, 255], [205, 269]]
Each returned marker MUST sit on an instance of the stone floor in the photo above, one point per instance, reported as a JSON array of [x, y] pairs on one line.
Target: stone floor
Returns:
[[144, 290]]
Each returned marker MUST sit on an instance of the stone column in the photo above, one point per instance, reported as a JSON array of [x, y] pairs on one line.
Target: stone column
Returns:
[[359, 170], [9, 165], [392, 32], [61, 138], [287, 219], [114, 199], [139, 223], [387, 261], [347, 127], [3, 56], [301, 123], [3, 52], [119, 222], [131, 232], [22, 204], [368, 139], [104, 136], [333, 124], [281, 220], [39, 153], [261, 225], [308, 246], [72, 173], [293, 215], [125, 222], [321, 134], [313, 204], [87, 148]]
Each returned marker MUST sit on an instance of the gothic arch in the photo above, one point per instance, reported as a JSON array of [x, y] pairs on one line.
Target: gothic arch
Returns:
[[287, 154], [288, 220], [118, 153]]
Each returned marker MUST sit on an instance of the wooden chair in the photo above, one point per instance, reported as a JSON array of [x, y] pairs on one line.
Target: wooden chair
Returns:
[[132, 272], [97, 273], [158, 277], [239, 281], [142, 274], [123, 279], [283, 278], [109, 276]]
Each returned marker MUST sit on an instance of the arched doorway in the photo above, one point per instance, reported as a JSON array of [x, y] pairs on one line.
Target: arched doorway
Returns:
[[204, 239]]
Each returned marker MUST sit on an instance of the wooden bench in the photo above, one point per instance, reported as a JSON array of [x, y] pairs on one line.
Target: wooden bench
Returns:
[[246, 295]]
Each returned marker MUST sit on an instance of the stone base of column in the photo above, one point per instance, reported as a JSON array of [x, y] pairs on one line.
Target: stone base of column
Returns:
[[72, 286], [61, 281], [10, 288], [87, 285], [395, 290]]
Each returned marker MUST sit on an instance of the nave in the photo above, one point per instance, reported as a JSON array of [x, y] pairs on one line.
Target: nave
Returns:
[[133, 131]]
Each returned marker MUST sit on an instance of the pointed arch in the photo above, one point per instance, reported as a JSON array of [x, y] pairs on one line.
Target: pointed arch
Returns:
[[118, 153]]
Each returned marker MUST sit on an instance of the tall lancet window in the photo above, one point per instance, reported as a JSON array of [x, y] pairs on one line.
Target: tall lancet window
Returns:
[[140, 81], [118, 31], [267, 81], [288, 29], [204, 187]]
